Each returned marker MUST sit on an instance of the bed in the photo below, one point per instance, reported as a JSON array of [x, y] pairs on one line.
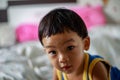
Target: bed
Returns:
[[23, 58], [28, 61], [105, 41]]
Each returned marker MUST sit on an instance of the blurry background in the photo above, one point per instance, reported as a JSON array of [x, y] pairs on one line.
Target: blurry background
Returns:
[[22, 56]]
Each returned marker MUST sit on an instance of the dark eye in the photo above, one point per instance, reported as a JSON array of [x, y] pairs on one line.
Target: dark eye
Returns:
[[70, 47], [52, 53]]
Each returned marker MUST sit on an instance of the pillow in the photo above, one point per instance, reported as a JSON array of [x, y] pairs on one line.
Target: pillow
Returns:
[[91, 15], [26, 32]]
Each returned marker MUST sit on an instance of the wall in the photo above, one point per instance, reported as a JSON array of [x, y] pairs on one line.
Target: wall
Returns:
[[5, 5], [31, 13], [20, 14]]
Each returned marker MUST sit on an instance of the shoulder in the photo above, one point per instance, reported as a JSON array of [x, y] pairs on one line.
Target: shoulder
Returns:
[[99, 69], [100, 72]]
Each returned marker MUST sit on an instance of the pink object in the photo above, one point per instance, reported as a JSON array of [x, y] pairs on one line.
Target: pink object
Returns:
[[26, 32], [92, 15]]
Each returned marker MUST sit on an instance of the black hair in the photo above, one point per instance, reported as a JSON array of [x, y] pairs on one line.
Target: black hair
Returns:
[[60, 20]]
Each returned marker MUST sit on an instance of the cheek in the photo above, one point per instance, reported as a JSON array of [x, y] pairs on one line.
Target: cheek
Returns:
[[78, 51], [77, 55], [54, 62]]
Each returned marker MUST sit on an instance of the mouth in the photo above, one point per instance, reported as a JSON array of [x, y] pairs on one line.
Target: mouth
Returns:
[[66, 67]]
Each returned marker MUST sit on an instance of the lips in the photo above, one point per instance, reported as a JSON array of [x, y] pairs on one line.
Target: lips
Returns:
[[66, 67]]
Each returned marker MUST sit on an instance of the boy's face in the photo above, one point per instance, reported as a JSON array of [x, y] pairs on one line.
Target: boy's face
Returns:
[[66, 50]]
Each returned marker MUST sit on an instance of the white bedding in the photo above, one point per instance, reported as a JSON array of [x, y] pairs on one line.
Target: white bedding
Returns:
[[25, 61], [105, 41]]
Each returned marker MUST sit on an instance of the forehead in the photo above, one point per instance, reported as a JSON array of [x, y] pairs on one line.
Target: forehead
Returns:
[[60, 38]]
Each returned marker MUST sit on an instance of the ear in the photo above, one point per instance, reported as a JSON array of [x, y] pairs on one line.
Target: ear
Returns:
[[86, 43]]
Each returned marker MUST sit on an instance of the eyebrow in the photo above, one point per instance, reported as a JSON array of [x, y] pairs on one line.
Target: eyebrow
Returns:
[[70, 40], [49, 47]]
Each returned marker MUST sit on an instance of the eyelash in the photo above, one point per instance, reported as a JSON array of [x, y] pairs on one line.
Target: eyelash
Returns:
[[52, 52], [70, 48]]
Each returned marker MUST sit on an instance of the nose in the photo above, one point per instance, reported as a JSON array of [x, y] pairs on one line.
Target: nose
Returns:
[[63, 58]]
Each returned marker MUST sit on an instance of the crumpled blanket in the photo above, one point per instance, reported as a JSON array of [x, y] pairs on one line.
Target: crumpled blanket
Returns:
[[26, 61]]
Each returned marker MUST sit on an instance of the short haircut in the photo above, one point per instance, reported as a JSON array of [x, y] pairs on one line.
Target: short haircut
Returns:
[[60, 20]]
